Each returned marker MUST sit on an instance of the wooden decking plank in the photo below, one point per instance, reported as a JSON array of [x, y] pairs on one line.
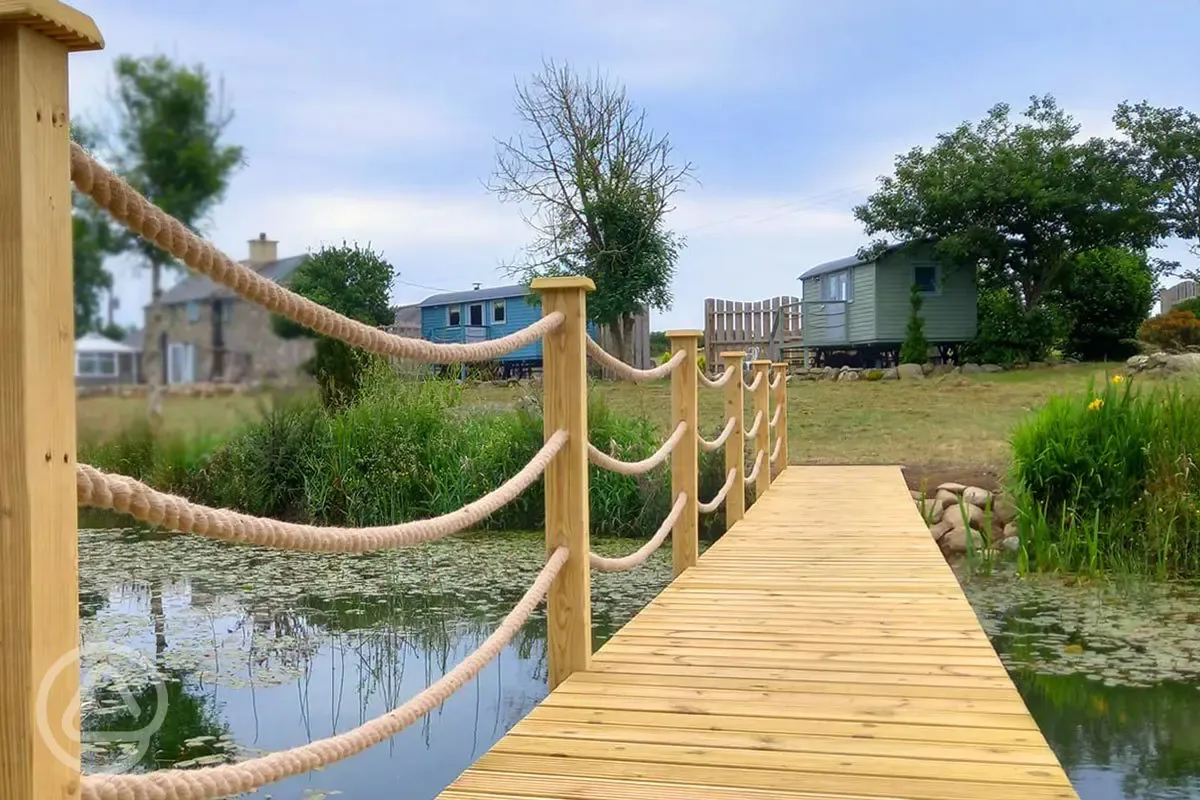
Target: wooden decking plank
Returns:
[[806, 656]]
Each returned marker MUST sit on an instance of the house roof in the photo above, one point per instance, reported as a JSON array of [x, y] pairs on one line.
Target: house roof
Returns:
[[96, 343], [199, 287], [493, 293], [839, 264]]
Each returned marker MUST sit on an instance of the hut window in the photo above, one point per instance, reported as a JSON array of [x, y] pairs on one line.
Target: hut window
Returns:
[[925, 277], [498, 312], [96, 364], [475, 314], [454, 316]]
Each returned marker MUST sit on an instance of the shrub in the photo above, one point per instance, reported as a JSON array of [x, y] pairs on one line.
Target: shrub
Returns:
[[1108, 295], [1191, 304], [1174, 330], [1109, 480], [915, 349], [1008, 333]]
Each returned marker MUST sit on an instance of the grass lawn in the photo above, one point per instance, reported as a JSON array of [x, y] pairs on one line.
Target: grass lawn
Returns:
[[953, 423]]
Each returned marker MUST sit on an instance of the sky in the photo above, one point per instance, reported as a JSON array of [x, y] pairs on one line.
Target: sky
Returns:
[[375, 122]]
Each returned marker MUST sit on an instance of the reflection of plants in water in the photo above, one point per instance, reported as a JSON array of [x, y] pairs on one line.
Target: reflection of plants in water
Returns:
[[1153, 734]]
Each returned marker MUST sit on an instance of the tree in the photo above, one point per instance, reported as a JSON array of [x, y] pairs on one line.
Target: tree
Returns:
[[1020, 201], [94, 240], [915, 349], [355, 282], [1168, 140], [600, 182], [1108, 296]]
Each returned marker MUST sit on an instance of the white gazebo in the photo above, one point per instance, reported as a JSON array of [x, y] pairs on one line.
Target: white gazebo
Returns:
[[100, 360]]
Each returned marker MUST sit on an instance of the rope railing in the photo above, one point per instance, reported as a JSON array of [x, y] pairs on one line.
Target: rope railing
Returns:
[[119, 493], [758, 462], [139, 215], [639, 556], [210, 783], [715, 503], [602, 459], [719, 442], [623, 370], [776, 450], [752, 431], [716, 383], [775, 417], [750, 387]]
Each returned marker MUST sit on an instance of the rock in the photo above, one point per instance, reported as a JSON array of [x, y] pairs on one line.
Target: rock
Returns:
[[1070, 360], [954, 542], [957, 488], [976, 496], [992, 369], [971, 369], [1138, 362], [1039, 365], [1011, 531], [910, 371], [944, 498], [1011, 544], [927, 368], [1184, 362], [956, 371], [965, 515], [940, 529], [918, 496], [847, 376], [892, 374], [873, 375], [1003, 509], [931, 510]]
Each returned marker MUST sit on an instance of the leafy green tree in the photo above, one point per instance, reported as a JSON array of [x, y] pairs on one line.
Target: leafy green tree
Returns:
[[600, 182], [915, 349], [355, 282], [1108, 296], [1018, 200], [94, 240]]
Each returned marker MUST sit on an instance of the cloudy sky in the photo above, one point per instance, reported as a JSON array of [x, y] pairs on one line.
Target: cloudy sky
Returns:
[[375, 121]]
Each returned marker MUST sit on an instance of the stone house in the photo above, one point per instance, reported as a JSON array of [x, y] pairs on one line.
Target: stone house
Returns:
[[206, 333]]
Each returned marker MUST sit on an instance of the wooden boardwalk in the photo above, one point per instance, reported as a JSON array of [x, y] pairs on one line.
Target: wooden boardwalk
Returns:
[[821, 649]]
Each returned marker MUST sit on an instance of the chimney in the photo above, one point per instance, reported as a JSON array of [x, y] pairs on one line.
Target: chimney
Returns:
[[263, 250]]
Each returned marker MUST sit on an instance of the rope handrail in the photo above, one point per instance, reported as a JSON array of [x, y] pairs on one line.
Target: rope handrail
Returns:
[[633, 374], [639, 556], [715, 383], [752, 431], [775, 417], [119, 493], [139, 215], [715, 503], [777, 450], [775, 383], [750, 387], [604, 460], [718, 442], [758, 461], [210, 783]]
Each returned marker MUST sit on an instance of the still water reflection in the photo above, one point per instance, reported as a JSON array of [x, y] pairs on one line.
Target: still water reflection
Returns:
[[261, 651]]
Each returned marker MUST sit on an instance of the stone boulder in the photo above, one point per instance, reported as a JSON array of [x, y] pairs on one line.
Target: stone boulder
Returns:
[[1011, 531], [976, 496], [965, 516], [992, 369], [957, 488], [847, 375], [954, 543], [940, 529], [910, 371], [892, 374], [1011, 544], [971, 369], [930, 510], [1184, 362], [1004, 510], [944, 498]]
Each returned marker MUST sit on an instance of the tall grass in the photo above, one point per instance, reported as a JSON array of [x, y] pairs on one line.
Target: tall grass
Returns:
[[1108, 481]]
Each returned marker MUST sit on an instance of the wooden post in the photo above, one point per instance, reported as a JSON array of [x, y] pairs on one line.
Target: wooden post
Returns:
[[564, 381], [735, 445], [39, 578], [685, 461], [781, 402], [762, 442]]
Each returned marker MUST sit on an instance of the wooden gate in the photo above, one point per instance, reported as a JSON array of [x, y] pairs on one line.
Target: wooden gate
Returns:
[[761, 328]]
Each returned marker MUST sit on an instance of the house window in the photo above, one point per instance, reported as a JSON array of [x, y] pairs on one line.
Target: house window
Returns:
[[498, 310], [193, 311], [836, 286], [926, 279], [454, 316], [475, 314], [96, 365]]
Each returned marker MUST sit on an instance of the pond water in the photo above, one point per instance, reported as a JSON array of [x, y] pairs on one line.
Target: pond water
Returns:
[[251, 651]]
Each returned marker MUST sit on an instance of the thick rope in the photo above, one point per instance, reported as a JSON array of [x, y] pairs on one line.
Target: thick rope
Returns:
[[716, 383], [750, 387], [775, 417], [752, 431], [602, 459], [639, 556], [629, 373], [119, 493], [719, 442], [232, 779], [778, 449], [715, 503], [155, 225], [776, 383], [758, 462]]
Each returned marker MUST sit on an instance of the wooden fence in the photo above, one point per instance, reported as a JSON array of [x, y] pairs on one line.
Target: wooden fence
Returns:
[[761, 328]]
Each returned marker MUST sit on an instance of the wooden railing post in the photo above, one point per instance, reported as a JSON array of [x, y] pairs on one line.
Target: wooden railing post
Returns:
[[735, 446], [781, 403], [564, 380], [762, 442], [39, 578], [685, 461]]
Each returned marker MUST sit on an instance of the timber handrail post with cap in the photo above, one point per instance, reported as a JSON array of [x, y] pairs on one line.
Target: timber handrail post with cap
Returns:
[[735, 445], [39, 611], [781, 406], [564, 380], [762, 438], [685, 462]]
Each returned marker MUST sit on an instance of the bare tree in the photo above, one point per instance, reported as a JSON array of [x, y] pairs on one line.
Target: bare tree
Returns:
[[598, 182]]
